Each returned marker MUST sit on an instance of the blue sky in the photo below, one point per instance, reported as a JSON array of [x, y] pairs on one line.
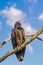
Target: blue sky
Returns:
[[31, 13]]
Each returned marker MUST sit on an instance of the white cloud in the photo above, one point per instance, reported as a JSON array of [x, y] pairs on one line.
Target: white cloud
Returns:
[[28, 28], [12, 15], [30, 48], [41, 17]]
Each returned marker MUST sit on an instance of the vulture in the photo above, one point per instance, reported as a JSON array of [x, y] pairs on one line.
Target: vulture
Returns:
[[18, 38]]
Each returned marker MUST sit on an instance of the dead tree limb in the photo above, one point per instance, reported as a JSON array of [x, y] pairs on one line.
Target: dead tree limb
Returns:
[[22, 46]]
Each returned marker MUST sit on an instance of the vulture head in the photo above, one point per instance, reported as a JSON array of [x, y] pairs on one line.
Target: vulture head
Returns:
[[18, 24]]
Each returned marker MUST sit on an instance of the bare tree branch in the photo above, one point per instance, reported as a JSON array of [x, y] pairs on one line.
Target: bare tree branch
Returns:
[[9, 38], [22, 46], [32, 35]]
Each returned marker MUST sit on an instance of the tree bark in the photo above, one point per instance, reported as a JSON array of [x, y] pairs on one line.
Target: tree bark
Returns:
[[22, 46]]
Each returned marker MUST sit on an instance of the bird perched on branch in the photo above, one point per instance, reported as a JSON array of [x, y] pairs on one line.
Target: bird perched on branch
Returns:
[[18, 38]]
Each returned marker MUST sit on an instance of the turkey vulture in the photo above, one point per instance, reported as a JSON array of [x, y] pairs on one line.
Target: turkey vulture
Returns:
[[18, 38]]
